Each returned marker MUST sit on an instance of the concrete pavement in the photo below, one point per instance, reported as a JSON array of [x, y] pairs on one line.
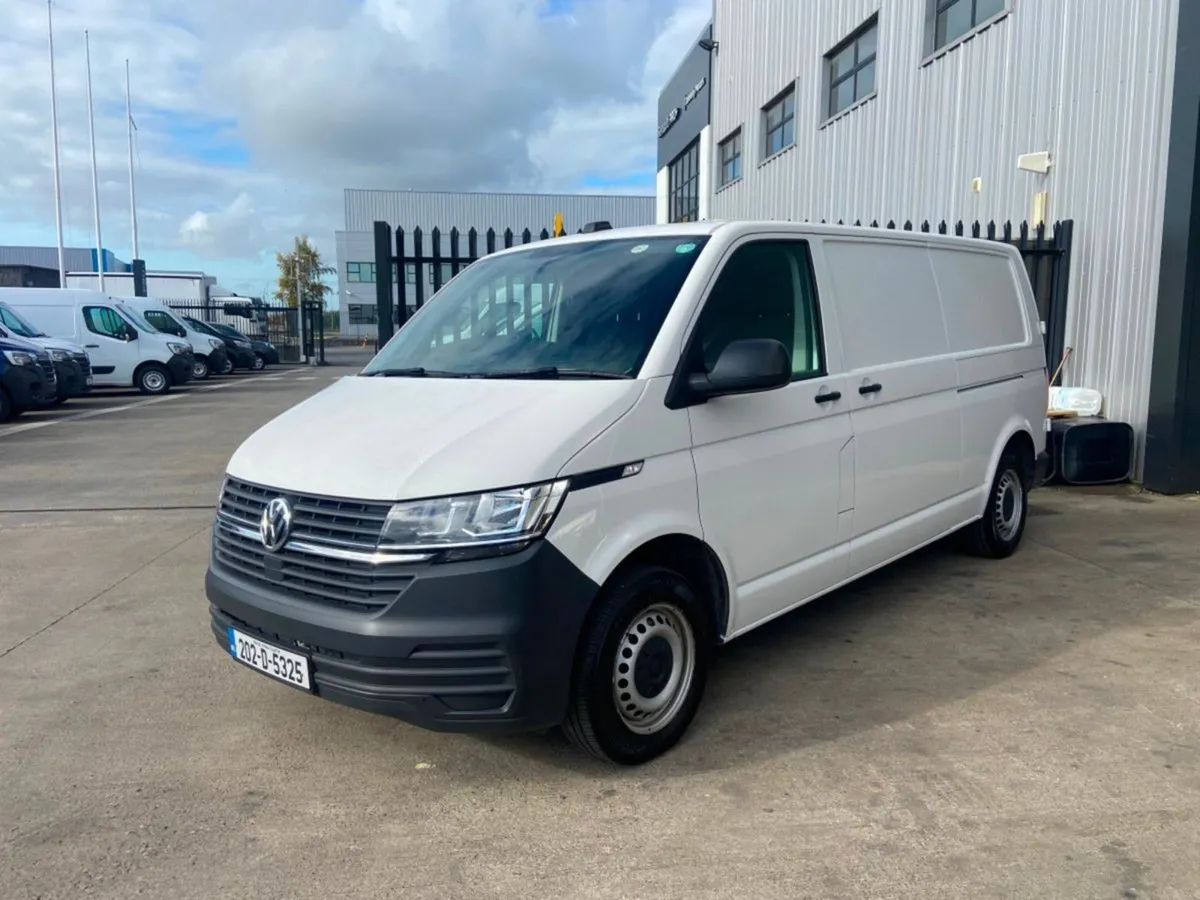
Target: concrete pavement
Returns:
[[948, 728]]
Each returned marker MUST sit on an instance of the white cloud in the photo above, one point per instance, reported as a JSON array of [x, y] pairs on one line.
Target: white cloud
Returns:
[[319, 95]]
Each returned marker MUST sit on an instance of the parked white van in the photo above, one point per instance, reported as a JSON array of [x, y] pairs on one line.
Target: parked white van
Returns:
[[588, 461], [124, 349], [208, 353]]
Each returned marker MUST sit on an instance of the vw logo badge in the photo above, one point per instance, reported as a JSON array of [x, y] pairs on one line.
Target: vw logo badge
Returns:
[[276, 524]]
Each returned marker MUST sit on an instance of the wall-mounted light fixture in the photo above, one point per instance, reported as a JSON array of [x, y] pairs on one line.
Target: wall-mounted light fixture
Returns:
[[708, 44]]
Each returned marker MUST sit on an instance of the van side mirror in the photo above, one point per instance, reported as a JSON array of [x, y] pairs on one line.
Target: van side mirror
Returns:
[[130, 333], [745, 367]]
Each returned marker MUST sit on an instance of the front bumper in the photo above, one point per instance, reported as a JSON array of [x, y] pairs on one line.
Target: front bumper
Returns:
[[217, 358], [27, 386], [71, 380], [243, 357], [482, 646], [180, 367]]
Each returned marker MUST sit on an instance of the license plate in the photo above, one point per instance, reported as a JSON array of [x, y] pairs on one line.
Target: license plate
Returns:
[[284, 665], [89, 379]]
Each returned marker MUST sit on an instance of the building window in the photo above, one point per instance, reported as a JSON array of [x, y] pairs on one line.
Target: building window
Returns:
[[360, 272], [447, 273], [363, 314], [954, 18], [410, 273], [780, 119], [683, 185], [851, 68], [729, 152]]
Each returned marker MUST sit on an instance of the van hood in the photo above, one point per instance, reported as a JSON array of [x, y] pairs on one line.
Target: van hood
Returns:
[[405, 438], [53, 343]]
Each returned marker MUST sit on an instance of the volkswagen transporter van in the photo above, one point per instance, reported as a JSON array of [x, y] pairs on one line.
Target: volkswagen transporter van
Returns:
[[587, 462]]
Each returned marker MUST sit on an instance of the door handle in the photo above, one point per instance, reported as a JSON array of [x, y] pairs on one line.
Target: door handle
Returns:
[[828, 397], [870, 389], [92, 346]]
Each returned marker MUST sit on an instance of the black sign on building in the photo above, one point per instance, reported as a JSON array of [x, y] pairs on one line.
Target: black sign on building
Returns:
[[684, 111]]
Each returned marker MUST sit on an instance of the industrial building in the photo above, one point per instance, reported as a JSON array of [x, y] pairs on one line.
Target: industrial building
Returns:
[[38, 266], [446, 210], [1035, 111]]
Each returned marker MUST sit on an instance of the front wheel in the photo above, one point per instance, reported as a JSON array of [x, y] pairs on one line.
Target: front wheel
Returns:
[[641, 668], [998, 533], [227, 366], [200, 369], [153, 379], [260, 362], [6, 407]]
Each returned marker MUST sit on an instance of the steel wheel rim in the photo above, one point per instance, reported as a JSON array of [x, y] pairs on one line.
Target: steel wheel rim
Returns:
[[199, 370], [1009, 504], [154, 381], [633, 670], [259, 363]]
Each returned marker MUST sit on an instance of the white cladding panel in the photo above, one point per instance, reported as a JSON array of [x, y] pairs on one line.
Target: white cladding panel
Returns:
[[1087, 80]]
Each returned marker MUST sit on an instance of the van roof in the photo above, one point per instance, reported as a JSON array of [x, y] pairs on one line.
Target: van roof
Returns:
[[738, 226]]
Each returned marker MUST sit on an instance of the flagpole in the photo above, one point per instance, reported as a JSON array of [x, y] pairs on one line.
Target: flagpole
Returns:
[[62, 261], [87, 47], [132, 193]]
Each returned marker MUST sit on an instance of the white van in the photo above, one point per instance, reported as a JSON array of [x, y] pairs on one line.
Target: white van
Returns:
[[125, 350], [588, 461], [71, 364], [208, 353]]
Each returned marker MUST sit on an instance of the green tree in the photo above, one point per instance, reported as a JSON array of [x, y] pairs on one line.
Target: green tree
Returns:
[[302, 274]]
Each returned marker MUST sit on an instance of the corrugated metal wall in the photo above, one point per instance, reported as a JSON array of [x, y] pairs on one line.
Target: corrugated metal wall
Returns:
[[446, 209], [1087, 80]]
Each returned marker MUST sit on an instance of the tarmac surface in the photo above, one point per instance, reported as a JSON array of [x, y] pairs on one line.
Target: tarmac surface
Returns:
[[948, 728]]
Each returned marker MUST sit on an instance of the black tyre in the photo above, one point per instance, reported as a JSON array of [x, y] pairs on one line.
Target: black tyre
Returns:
[[59, 401], [227, 366], [260, 362], [998, 534], [6, 409], [641, 666], [153, 378], [200, 369]]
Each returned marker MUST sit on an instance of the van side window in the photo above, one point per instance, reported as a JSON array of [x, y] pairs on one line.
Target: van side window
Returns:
[[766, 290], [163, 322], [105, 321]]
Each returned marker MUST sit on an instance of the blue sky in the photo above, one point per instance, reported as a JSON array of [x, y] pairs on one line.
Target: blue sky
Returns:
[[252, 117]]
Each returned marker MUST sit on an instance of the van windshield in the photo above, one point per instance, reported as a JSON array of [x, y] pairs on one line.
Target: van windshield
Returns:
[[574, 310], [136, 318], [11, 320]]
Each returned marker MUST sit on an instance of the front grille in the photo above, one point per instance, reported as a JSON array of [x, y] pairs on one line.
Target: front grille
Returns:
[[343, 523], [47, 367], [84, 363], [337, 524]]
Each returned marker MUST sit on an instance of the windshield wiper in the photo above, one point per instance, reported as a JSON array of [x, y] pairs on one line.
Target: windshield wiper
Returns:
[[415, 372], [557, 372]]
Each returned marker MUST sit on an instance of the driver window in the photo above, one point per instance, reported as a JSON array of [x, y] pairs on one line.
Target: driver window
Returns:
[[105, 321], [766, 290]]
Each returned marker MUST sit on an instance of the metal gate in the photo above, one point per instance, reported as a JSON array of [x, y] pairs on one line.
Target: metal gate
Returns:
[[298, 334]]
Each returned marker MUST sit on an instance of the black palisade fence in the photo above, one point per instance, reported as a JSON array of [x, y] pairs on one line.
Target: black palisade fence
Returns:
[[1046, 252]]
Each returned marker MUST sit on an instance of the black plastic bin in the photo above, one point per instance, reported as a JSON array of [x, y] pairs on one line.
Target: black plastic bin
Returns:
[[1090, 450]]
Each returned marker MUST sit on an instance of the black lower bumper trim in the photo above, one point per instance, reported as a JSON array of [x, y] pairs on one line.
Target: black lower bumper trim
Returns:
[[482, 646], [26, 386], [180, 367]]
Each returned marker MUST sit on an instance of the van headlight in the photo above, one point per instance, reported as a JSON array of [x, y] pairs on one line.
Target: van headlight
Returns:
[[179, 348], [59, 355], [473, 525], [19, 357], [215, 344]]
